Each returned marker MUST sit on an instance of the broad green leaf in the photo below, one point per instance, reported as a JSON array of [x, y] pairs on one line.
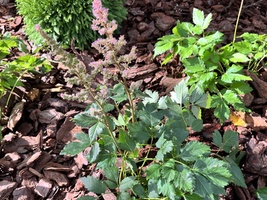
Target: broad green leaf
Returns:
[[85, 119], [194, 150], [92, 184], [243, 47], [193, 65], [127, 183], [125, 141], [239, 57], [261, 193], [96, 130], [241, 87], [74, 148], [163, 102], [198, 17]]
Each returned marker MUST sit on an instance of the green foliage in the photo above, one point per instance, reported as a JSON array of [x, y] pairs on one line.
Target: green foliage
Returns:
[[261, 193], [11, 72], [65, 20], [209, 67], [179, 169]]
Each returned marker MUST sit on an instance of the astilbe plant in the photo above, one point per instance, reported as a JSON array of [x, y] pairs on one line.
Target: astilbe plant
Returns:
[[177, 169]]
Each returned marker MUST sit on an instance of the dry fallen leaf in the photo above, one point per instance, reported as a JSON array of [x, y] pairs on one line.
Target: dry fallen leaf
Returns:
[[15, 115], [256, 121], [238, 118]]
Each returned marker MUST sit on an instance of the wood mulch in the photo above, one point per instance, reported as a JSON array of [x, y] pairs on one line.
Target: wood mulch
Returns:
[[38, 121]]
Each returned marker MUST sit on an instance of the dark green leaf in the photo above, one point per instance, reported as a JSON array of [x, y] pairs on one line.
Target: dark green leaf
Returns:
[[127, 183], [165, 146], [217, 138], [96, 130], [153, 189], [194, 150], [153, 172], [74, 148], [94, 152], [92, 184], [125, 141], [85, 119]]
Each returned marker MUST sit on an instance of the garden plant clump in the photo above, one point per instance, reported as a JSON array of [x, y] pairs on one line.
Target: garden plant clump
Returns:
[[13, 72], [170, 167], [65, 20], [218, 70]]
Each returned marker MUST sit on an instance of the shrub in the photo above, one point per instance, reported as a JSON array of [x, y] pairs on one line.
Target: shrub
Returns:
[[143, 150], [65, 19]]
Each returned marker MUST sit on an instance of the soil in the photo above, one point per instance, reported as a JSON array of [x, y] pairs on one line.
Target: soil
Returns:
[[37, 122]]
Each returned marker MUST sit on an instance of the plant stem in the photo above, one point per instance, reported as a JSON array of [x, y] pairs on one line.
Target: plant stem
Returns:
[[237, 20]]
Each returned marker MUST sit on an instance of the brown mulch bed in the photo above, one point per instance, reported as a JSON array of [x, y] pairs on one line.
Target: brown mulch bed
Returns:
[[38, 121]]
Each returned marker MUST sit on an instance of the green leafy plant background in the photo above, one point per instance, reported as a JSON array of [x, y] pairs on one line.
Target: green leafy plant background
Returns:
[[65, 20]]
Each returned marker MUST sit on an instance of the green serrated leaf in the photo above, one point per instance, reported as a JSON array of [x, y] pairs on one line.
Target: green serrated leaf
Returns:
[[112, 176], [180, 93], [153, 172], [139, 190], [184, 179], [230, 139], [152, 97], [222, 110], [197, 125], [74, 148], [239, 57], [93, 184], [96, 130], [125, 141], [85, 119], [214, 169], [162, 46], [217, 138], [194, 150], [127, 183], [165, 146], [94, 152], [198, 17]]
